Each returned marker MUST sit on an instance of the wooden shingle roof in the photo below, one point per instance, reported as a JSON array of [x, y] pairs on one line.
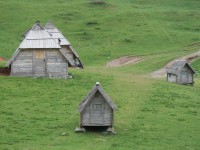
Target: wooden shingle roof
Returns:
[[56, 34], [38, 37], [177, 66], [90, 95]]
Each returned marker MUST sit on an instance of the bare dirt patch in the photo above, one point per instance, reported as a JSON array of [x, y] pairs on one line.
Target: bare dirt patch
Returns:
[[189, 58], [5, 71], [124, 61]]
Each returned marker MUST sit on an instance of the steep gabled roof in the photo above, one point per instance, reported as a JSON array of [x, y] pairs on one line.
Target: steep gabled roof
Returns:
[[38, 37], [25, 33], [13, 57], [56, 34], [36, 26], [177, 66], [72, 63], [88, 98], [50, 25]]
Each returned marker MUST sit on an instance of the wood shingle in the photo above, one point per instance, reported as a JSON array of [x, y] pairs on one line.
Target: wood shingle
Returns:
[[64, 43]]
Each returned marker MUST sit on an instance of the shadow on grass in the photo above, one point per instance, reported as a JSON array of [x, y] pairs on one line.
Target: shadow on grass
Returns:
[[97, 129]]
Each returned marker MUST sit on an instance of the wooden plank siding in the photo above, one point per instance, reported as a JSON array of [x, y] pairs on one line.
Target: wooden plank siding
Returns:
[[97, 113], [185, 76], [68, 52], [97, 108], [56, 64], [180, 72], [23, 64], [171, 77], [40, 63]]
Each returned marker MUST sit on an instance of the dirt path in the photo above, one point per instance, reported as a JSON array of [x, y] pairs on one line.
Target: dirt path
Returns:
[[161, 72], [124, 61]]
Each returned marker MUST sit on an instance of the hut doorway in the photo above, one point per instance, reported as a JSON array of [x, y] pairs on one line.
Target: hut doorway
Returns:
[[39, 63]]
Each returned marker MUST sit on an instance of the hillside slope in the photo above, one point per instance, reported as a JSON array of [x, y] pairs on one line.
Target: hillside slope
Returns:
[[151, 114], [102, 32]]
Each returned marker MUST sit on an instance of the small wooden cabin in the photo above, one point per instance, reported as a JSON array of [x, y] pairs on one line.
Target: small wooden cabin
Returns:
[[64, 43], [97, 109], [39, 55], [181, 72]]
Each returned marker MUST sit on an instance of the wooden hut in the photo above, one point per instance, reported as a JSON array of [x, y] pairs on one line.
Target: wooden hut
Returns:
[[64, 43], [97, 109], [39, 55], [180, 72]]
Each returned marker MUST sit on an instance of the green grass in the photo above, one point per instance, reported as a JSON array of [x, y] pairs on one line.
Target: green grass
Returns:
[[152, 113], [101, 31], [2, 63], [196, 66]]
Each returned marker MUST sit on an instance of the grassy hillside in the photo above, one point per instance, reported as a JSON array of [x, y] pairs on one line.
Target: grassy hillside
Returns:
[[152, 114], [196, 66], [111, 30]]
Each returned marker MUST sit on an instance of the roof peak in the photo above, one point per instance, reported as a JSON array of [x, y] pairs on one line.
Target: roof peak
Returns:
[[49, 25], [37, 26], [92, 93], [178, 65]]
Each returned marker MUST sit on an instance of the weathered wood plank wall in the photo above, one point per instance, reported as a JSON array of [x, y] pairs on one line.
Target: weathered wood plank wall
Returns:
[[40, 63], [97, 113], [23, 64], [68, 52], [56, 64]]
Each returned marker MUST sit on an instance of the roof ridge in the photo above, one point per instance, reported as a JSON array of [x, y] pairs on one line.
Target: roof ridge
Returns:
[[177, 65], [49, 25], [88, 97], [37, 26]]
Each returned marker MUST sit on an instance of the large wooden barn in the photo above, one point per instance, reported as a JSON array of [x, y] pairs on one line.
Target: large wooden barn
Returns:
[[39, 55], [64, 43], [97, 109], [180, 72]]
